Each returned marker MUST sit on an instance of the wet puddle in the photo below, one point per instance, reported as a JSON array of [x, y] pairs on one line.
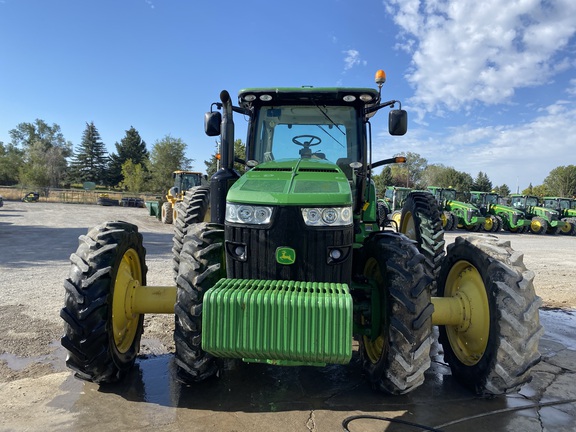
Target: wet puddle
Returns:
[[252, 395], [560, 326]]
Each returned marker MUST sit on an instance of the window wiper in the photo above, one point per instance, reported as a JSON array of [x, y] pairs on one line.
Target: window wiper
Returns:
[[333, 123], [330, 120], [328, 133]]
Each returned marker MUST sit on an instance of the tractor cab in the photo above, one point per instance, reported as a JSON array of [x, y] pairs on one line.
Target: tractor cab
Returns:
[[523, 202], [184, 180]]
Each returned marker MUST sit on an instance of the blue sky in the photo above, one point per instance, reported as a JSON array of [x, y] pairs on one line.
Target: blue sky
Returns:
[[489, 86]]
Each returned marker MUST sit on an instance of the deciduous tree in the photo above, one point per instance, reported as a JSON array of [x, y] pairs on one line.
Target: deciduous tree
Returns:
[[11, 160], [167, 156], [45, 152], [561, 181], [134, 176]]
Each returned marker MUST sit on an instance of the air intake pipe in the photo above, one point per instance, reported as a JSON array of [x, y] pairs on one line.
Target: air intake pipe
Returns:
[[226, 175]]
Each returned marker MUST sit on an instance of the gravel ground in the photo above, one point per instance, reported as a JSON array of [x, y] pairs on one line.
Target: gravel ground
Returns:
[[36, 240]]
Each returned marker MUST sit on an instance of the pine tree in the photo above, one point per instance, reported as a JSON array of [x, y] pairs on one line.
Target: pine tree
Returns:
[[90, 161], [131, 147], [482, 183]]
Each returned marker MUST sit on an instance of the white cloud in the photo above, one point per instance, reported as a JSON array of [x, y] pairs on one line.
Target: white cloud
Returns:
[[466, 52], [572, 89], [512, 154], [149, 3], [352, 58]]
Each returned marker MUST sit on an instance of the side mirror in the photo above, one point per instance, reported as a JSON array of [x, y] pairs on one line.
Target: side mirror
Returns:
[[397, 122], [212, 121]]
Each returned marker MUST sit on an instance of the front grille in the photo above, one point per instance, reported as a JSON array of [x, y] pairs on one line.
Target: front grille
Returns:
[[311, 244]]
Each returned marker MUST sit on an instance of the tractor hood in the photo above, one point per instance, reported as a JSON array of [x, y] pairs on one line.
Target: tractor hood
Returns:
[[302, 182]]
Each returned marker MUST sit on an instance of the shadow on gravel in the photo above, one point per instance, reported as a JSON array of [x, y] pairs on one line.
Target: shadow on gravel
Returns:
[[27, 246]]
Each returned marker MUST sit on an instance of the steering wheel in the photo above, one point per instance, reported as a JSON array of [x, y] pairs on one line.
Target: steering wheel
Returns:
[[306, 144]]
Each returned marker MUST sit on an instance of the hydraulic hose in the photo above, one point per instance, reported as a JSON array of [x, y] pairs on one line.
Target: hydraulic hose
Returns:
[[438, 428]]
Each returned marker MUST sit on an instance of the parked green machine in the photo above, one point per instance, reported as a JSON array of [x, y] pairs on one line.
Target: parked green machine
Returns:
[[566, 207], [543, 220], [499, 216], [390, 207], [457, 214], [292, 265]]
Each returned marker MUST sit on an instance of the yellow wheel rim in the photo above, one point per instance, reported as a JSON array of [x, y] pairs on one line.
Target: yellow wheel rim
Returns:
[[566, 228], [396, 218], [408, 227], [125, 326], [469, 339], [374, 348], [535, 225], [444, 220], [488, 224]]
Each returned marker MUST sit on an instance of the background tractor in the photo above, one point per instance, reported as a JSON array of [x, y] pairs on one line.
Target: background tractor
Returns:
[[390, 207], [498, 216], [457, 214], [183, 181], [292, 264], [543, 220], [566, 207]]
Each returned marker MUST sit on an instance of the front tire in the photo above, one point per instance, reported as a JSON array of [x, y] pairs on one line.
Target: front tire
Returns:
[[396, 359], [494, 353], [538, 225], [166, 215], [201, 266], [102, 342]]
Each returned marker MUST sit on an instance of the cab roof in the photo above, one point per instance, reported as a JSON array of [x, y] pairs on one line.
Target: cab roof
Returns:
[[307, 95]]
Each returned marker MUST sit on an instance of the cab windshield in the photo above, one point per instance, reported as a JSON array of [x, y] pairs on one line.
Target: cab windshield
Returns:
[[564, 204], [449, 195], [314, 132], [491, 199]]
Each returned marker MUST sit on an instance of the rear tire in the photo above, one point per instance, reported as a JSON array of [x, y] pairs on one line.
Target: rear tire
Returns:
[[500, 223], [201, 266], [102, 342], [495, 353], [397, 358], [193, 209], [421, 222]]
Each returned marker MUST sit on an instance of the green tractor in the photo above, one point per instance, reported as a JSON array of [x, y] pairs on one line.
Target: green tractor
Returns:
[[543, 220], [498, 216], [566, 207], [292, 265], [457, 214], [390, 207]]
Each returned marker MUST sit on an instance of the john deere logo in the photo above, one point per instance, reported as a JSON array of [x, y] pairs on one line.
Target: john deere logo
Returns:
[[285, 255]]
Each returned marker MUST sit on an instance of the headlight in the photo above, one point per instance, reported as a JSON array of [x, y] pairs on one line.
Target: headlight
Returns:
[[330, 216], [248, 214]]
